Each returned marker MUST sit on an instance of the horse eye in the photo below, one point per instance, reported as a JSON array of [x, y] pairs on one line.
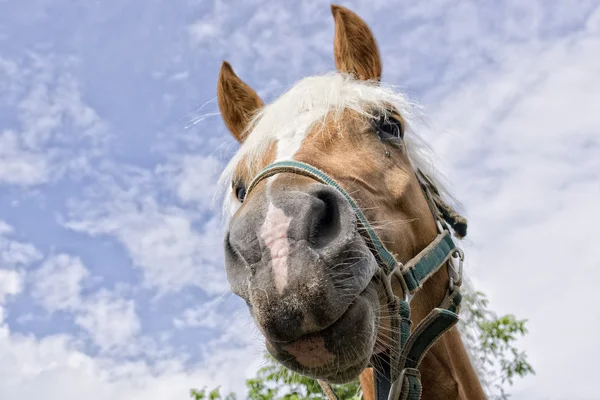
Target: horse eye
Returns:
[[240, 191], [389, 127]]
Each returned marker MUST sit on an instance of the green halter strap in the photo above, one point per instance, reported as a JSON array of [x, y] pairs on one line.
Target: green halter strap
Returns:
[[396, 373]]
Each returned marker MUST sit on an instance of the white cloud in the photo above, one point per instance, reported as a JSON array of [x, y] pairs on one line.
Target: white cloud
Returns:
[[14, 253], [111, 321], [18, 164], [56, 131], [164, 244], [193, 178], [202, 30], [13, 256], [55, 367], [57, 283], [173, 247], [11, 283], [206, 316], [53, 111], [255, 46]]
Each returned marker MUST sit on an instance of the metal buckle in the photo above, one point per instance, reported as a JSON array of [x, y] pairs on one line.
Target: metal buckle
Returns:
[[456, 274], [397, 272]]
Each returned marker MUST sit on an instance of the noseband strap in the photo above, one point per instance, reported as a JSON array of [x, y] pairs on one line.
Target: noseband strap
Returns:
[[396, 373], [384, 257]]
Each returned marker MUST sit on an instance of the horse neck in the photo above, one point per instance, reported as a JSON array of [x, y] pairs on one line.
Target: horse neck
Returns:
[[446, 370]]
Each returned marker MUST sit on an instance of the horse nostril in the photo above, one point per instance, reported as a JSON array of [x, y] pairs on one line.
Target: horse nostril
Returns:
[[325, 225]]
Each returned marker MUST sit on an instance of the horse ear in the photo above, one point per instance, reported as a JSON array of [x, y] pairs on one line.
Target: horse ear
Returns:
[[237, 101], [354, 46]]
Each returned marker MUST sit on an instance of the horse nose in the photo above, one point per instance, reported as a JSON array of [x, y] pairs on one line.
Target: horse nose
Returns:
[[320, 217], [282, 251], [320, 227]]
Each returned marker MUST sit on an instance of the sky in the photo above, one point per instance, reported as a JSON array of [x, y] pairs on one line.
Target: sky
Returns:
[[112, 282]]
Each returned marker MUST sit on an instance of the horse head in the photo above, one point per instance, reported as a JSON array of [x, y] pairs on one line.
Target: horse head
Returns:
[[295, 249]]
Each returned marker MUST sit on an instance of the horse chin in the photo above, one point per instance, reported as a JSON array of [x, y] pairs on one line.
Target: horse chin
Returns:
[[340, 352]]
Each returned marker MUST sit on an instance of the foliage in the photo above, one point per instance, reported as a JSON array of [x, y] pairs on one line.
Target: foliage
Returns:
[[274, 382], [214, 394], [491, 341]]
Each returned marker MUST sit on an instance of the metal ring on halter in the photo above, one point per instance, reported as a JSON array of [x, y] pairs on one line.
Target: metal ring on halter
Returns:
[[386, 280], [456, 280], [397, 272]]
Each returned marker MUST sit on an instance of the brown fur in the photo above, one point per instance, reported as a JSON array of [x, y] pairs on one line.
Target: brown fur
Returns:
[[244, 174], [366, 380], [355, 50], [238, 102]]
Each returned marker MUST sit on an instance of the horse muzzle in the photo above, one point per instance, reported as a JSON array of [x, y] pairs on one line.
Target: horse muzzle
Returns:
[[295, 254], [339, 352]]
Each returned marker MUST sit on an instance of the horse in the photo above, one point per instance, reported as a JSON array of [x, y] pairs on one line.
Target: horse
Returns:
[[336, 226]]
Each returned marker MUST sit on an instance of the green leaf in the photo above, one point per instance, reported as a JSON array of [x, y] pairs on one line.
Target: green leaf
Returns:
[[492, 342]]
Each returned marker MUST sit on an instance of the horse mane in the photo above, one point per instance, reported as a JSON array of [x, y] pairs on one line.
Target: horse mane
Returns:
[[291, 117]]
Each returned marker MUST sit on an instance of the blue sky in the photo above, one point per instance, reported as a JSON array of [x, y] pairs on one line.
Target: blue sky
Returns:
[[111, 275]]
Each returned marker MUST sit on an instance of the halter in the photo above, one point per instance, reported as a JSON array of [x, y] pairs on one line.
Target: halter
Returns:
[[397, 376]]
